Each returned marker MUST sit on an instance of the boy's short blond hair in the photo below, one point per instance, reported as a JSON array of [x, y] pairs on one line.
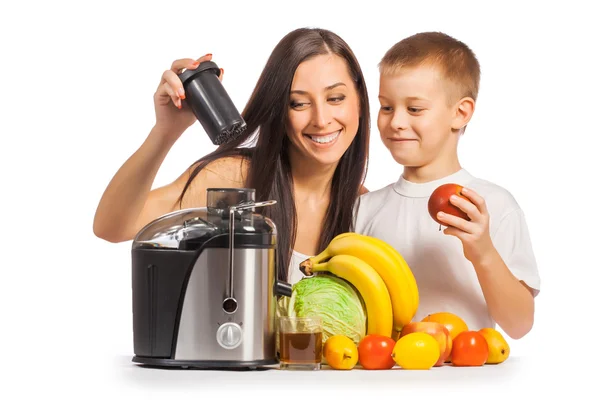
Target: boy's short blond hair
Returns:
[[455, 60]]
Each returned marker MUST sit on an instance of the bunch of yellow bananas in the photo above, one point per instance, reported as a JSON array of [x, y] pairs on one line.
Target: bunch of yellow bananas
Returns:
[[378, 272]]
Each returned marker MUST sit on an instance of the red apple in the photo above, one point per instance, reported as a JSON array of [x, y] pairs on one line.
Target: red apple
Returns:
[[440, 201], [439, 333]]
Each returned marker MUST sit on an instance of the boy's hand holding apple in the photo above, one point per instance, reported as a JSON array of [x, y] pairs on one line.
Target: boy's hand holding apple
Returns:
[[465, 215]]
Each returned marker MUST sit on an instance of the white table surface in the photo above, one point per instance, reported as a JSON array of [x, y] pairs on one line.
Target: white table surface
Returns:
[[517, 377]]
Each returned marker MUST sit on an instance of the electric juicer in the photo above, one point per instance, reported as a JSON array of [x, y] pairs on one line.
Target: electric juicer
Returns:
[[204, 285]]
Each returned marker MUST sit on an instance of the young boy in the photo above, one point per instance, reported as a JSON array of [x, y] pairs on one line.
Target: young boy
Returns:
[[482, 270]]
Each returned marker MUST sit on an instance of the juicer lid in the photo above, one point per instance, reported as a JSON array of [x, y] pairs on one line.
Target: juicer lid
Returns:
[[192, 228], [170, 229]]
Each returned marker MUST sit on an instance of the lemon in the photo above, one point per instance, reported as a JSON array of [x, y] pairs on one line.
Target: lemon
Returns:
[[418, 350], [340, 352]]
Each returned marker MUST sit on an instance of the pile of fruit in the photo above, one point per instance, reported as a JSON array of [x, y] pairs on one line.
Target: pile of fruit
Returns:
[[378, 272], [388, 289], [441, 338]]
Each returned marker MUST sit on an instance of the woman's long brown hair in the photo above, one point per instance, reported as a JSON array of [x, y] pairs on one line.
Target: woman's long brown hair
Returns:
[[269, 169]]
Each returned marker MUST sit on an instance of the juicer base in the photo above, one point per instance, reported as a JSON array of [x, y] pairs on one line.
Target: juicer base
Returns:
[[205, 364]]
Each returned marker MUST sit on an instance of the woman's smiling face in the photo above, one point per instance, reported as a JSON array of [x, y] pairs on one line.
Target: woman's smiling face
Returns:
[[324, 109]]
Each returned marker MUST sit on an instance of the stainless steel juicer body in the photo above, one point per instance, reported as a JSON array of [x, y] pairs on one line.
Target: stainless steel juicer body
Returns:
[[205, 287]]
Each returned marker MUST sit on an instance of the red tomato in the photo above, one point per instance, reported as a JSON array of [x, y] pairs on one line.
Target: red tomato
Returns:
[[375, 352], [469, 349]]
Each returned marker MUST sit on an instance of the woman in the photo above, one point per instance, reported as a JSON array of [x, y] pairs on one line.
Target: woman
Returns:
[[310, 110]]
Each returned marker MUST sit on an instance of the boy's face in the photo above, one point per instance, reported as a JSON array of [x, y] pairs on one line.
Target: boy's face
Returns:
[[415, 119]]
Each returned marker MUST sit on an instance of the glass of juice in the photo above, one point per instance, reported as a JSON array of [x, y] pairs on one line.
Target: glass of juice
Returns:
[[300, 343]]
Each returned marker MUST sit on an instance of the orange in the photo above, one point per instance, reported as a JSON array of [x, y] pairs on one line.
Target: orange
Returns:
[[452, 322], [418, 350], [340, 352]]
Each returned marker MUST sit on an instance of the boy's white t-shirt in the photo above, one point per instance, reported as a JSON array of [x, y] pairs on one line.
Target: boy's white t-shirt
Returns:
[[398, 214]]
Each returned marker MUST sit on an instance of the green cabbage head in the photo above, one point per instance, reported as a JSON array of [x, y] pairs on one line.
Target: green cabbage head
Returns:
[[334, 300]]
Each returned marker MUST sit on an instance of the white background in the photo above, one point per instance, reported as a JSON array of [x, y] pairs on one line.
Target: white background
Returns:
[[77, 86]]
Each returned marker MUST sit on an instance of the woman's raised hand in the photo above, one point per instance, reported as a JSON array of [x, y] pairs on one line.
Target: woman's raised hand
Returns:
[[173, 117]]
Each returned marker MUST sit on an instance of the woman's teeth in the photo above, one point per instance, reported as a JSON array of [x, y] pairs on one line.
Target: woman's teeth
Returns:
[[325, 139]]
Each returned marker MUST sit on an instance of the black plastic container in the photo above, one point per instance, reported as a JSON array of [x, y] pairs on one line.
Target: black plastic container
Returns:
[[211, 104]]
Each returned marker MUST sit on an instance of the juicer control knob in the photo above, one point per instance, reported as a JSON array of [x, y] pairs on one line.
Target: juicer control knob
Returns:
[[229, 335]]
